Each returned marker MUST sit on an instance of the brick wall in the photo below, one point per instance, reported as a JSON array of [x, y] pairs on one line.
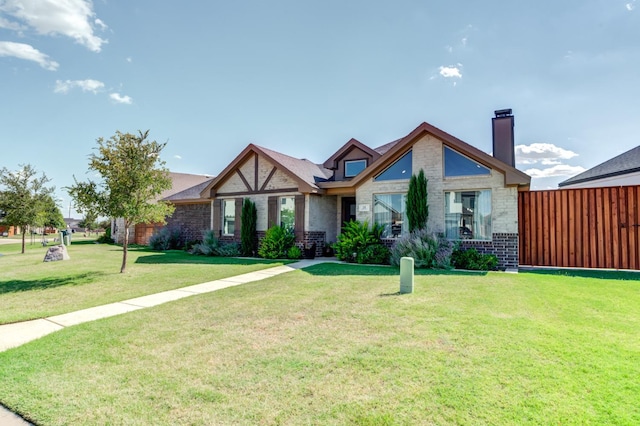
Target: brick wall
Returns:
[[504, 246], [192, 219]]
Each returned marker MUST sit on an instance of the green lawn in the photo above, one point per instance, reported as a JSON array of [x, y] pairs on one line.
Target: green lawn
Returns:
[[336, 344], [30, 288]]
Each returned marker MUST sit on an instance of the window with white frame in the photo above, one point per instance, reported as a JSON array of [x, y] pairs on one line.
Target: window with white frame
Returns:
[[228, 217], [389, 211], [287, 213], [353, 167], [468, 215]]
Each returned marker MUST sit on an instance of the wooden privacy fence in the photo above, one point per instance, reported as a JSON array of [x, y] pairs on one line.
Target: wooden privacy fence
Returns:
[[585, 227]]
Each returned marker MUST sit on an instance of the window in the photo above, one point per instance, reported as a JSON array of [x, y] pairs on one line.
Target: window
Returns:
[[353, 167], [287, 213], [456, 164], [228, 217], [401, 169], [389, 211], [468, 215]]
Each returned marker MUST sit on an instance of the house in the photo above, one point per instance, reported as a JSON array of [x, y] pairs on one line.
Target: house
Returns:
[[183, 186], [472, 195], [622, 170]]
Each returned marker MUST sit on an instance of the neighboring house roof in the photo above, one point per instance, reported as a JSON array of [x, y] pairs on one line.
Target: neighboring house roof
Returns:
[[331, 163], [394, 150], [303, 171], [181, 182], [191, 194], [386, 147], [625, 163]]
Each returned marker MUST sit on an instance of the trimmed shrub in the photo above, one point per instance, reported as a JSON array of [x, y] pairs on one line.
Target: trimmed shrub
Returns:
[[377, 254], [426, 249], [167, 238], [474, 260], [355, 238], [248, 228], [416, 204], [294, 253], [276, 243]]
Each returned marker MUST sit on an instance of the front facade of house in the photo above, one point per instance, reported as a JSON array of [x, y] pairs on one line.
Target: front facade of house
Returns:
[[472, 196]]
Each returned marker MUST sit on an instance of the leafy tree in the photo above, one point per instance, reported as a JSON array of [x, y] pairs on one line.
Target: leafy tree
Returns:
[[133, 177], [248, 228], [50, 215], [23, 197], [88, 222], [417, 207]]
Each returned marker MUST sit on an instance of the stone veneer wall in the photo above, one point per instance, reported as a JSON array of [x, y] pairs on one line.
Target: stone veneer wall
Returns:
[[192, 220]]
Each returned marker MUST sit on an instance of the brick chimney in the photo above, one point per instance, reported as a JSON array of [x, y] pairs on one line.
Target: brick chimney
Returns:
[[503, 141]]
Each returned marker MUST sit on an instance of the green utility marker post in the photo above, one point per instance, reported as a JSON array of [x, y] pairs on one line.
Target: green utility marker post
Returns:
[[406, 275]]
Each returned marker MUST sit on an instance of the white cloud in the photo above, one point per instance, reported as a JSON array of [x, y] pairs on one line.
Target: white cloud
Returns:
[[71, 18], [85, 85], [27, 52], [559, 170], [101, 24], [177, 157], [630, 6], [129, 59], [450, 72], [118, 98], [546, 153]]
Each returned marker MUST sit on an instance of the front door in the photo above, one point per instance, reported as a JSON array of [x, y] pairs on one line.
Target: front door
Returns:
[[348, 209]]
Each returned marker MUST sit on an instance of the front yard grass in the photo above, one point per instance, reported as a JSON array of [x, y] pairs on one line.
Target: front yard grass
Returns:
[[30, 288], [336, 344]]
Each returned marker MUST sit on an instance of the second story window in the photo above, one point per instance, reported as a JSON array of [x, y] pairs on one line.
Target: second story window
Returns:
[[353, 167]]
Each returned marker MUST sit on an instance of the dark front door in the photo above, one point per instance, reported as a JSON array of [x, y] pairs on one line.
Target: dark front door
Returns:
[[348, 209]]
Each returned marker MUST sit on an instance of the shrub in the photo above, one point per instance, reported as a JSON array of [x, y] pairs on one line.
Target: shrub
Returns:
[[167, 238], [355, 238], [211, 246], [416, 204], [374, 254], [473, 260], [294, 253], [248, 228], [276, 243], [426, 249], [106, 237]]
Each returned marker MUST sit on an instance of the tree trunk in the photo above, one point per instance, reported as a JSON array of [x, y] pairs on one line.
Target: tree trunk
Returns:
[[23, 236], [125, 245]]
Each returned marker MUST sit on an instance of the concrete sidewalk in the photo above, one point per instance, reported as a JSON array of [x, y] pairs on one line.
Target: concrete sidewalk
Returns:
[[12, 335], [17, 334]]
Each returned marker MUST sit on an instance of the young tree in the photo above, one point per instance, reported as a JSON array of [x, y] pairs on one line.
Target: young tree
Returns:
[[50, 215], [23, 196], [417, 207], [133, 176], [248, 228]]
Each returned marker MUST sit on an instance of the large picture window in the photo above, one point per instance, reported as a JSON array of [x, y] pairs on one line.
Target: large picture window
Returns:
[[468, 215], [389, 211], [287, 213], [401, 169], [456, 164], [228, 217]]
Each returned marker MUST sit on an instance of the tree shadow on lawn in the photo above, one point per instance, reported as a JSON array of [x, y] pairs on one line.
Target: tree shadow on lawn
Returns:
[[333, 269], [586, 273], [181, 257], [16, 286]]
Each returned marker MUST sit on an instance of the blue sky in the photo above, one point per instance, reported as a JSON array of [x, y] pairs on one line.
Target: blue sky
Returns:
[[303, 77]]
